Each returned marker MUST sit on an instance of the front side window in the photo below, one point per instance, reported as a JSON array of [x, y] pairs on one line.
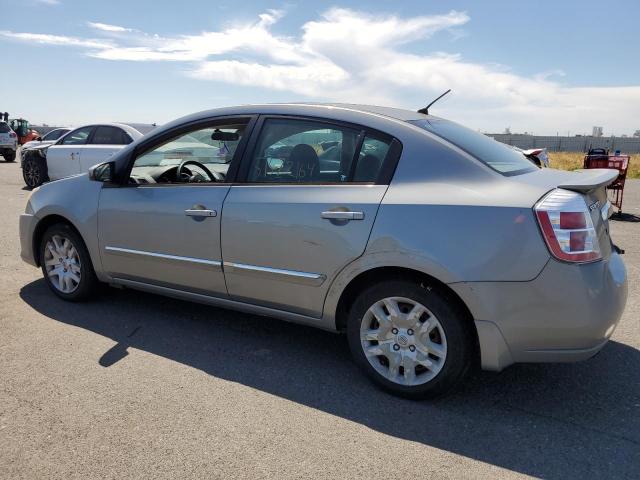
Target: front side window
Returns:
[[492, 153], [105, 135], [77, 137], [306, 151], [202, 155]]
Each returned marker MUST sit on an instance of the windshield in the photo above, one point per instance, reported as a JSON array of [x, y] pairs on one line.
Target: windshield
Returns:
[[54, 134], [492, 153]]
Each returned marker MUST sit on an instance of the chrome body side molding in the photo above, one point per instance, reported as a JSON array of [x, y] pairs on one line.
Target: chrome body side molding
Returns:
[[213, 264], [292, 276]]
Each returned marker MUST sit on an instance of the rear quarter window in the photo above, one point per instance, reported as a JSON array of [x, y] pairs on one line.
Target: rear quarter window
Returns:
[[4, 128], [492, 153]]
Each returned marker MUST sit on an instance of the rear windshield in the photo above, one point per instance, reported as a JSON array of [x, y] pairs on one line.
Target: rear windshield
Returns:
[[496, 155], [4, 128]]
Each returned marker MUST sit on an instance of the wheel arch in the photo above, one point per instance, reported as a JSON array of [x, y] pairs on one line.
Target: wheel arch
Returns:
[[381, 273], [42, 226]]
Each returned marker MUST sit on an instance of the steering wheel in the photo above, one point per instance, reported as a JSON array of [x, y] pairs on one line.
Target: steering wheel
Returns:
[[181, 173]]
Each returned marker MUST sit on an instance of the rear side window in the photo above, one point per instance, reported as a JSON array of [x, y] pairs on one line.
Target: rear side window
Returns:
[[4, 128], [372, 154], [105, 135], [77, 137], [306, 151], [492, 153]]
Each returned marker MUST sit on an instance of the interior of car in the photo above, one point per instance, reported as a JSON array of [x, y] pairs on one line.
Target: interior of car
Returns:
[[287, 151], [201, 156]]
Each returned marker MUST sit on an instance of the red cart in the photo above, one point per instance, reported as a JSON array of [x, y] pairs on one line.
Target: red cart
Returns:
[[600, 158]]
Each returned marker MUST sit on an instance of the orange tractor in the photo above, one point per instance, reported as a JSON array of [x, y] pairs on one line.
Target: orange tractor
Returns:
[[22, 128]]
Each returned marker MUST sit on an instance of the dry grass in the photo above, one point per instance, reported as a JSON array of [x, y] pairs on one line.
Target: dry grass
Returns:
[[573, 161]]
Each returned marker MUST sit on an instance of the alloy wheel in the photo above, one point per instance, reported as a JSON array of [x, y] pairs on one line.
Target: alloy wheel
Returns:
[[403, 341], [31, 173], [62, 263]]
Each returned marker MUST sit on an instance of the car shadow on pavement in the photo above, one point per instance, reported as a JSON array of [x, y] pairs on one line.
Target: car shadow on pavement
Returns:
[[550, 421]]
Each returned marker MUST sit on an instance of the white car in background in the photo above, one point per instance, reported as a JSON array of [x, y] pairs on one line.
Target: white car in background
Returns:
[[77, 151], [47, 139]]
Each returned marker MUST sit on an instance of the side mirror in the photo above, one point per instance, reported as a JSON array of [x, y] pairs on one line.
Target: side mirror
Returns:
[[102, 172], [38, 139]]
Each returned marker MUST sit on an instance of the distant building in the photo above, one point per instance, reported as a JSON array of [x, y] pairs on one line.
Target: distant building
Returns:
[[597, 132]]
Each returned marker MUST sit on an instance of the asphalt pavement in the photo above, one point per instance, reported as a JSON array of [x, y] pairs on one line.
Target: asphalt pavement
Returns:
[[133, 385]]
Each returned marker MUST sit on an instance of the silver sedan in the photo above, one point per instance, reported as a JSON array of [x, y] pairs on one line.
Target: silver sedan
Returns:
[[433, 247]]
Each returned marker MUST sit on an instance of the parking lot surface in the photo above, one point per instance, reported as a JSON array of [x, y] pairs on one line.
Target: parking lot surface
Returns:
[[133, 385]]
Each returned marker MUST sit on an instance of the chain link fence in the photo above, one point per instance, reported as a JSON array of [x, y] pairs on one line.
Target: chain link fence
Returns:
[[569, 144]]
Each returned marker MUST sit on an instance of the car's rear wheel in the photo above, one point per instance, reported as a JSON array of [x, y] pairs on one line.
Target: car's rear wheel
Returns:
[[412, 339], [34, 172], [66, 264]]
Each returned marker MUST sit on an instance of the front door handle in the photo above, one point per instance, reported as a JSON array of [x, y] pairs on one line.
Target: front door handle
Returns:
[[341, 215], [200, 212]]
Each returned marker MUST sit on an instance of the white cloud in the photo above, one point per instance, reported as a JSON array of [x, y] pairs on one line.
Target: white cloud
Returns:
[[48, 2], [45, 39], [351, 56], [105, 27]]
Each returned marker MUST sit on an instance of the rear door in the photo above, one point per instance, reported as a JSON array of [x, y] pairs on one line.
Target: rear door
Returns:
[[303, 212], [63, 158], [105, 141]]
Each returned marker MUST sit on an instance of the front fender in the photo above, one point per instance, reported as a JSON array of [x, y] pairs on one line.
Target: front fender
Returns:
[[76, 200]]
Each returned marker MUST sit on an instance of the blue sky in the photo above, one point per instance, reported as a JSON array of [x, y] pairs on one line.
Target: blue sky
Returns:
[[542, 67]]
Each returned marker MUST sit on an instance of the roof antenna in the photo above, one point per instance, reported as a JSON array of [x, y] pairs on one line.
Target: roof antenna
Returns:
[[425, 110]]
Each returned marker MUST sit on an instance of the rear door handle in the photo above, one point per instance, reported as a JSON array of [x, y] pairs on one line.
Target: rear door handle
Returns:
[[200, 212], [340, 215]]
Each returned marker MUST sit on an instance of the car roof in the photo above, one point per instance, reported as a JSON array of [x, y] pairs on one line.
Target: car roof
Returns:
[[301, 108], [382, 118], [135, 132], [397, 113]]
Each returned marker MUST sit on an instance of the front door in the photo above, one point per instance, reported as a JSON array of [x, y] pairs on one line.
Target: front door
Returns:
[[306, 210], [163, 228], [63, 157]]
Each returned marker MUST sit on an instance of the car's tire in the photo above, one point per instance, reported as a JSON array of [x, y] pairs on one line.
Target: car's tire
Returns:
[[442, 336], [34, 171], [66, 264], [9, 156]]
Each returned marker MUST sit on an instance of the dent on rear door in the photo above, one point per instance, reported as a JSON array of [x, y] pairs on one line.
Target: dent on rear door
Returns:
[[93, 155], [279, 251]]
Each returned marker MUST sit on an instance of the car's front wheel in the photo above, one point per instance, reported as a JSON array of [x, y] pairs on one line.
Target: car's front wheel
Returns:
[[34, 172], [412, 339], [66, 264]]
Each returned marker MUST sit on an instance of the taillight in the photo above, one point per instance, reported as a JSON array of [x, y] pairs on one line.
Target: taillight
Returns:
[[12, 134], [567, 227]]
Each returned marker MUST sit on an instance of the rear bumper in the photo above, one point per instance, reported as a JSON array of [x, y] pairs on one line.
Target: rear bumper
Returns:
[[566, 314]]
